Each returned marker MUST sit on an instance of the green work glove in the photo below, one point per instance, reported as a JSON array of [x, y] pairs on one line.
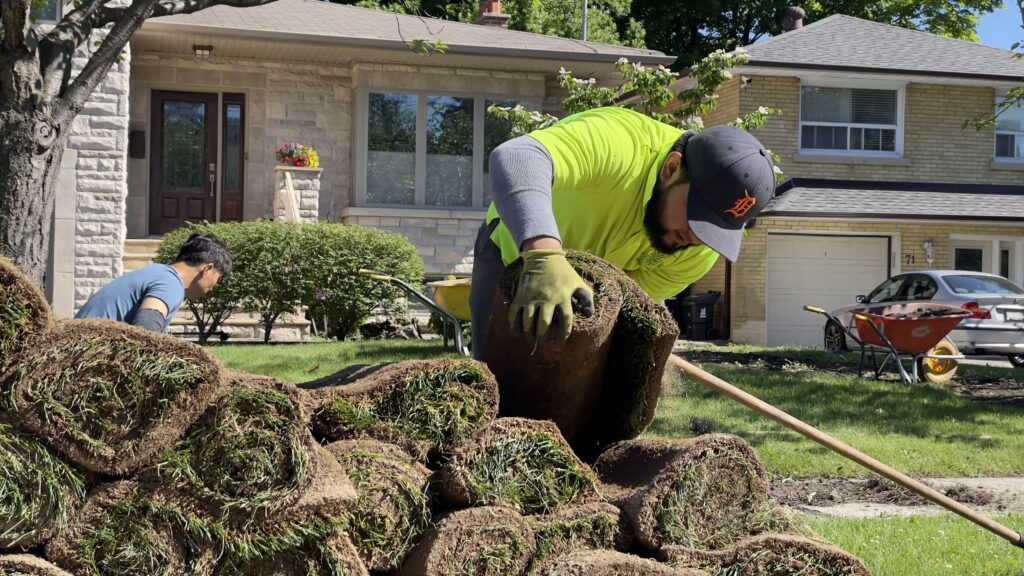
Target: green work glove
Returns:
[[548, 288]]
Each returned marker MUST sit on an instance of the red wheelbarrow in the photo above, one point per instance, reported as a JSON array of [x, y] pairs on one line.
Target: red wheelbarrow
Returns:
[[917, 330]]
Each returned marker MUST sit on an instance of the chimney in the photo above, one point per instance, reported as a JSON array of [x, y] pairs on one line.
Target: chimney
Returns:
[[792, 18], [489, 14]]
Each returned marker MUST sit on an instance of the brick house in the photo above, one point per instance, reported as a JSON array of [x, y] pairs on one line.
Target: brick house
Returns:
[[184, 128], [881, 178]]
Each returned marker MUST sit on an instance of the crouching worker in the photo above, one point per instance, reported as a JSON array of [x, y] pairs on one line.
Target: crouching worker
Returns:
[[150, 296]]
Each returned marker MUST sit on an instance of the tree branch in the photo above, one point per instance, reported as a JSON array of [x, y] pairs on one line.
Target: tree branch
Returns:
[[59, 45], [171, 7], [72, 100], [15, 15]]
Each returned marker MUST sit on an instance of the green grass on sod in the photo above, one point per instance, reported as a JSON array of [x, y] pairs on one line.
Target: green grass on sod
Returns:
[[919, 429], [304, 362], [926, 545]]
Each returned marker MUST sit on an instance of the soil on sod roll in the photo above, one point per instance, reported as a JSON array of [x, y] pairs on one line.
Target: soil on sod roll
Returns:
[[26, 565], [109, 396], [769, 555], [551, 379], [612, 563], [519, 463], [251, 451], [128, 528], [38, 491], [484, 541], [425, 406], [701, 492], [393, 509], [597, 525], [641, 344], [24, 312]]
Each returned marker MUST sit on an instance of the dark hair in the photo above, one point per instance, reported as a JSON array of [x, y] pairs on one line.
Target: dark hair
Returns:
[[203, 248], [680, 145]]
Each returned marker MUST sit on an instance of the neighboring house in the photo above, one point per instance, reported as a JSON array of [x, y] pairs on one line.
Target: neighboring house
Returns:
[[184, 129], [881, 178]]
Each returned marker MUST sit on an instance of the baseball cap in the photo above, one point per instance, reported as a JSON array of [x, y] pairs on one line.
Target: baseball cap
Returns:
[[731, 180]]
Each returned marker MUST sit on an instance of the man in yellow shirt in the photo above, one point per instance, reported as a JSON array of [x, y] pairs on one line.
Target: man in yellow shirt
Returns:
[[658, 203]]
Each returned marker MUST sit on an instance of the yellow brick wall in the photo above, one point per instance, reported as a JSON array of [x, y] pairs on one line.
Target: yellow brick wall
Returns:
[[935, 147], [749, 274]]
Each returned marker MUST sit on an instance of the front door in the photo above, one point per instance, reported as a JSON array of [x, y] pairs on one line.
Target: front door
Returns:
[[183, 170]]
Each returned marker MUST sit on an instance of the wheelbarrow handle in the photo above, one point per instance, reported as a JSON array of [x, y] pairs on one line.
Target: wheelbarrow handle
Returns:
[[375, 275], [814, 309]]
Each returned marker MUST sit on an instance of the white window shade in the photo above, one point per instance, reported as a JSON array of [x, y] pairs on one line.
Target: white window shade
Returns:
[[849, 119], [1010, 131]]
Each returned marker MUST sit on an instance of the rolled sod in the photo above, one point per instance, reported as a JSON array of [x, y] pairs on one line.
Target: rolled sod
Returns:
[[128, 528], [393, 509], [424, 406], [702, 492], [641, 344], [597, 526], [769, 555], [250, 451], [612, 563], [484, 541], [24, 311], [551, 379], [38, 491], [519, 463], [26, 565], [109, 396], [322, 555]]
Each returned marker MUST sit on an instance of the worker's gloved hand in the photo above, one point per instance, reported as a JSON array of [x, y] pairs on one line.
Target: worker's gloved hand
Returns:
[[548, 288]]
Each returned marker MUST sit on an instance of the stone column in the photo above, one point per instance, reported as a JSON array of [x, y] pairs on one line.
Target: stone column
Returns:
[[304, 193]]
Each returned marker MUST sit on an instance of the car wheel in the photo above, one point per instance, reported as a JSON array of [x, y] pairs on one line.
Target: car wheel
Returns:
[[1017, 360], [835, 338], [938, 370]]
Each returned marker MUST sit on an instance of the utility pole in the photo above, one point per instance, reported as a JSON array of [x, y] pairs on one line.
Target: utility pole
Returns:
[[584, 20]]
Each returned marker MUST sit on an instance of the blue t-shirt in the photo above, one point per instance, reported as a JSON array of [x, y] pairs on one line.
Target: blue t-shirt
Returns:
[[120, 299]]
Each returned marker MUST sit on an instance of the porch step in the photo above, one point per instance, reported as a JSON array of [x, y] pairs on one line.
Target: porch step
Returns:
[[245, 327], [139, 252]]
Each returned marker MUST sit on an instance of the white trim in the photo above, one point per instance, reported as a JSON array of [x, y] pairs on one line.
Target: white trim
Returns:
[[951, 221]]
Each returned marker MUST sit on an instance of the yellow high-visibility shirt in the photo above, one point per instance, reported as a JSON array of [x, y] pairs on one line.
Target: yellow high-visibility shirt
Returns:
[[606, 162]]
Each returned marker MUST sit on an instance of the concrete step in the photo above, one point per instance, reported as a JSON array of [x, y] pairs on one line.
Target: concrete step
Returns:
[[139, 252]]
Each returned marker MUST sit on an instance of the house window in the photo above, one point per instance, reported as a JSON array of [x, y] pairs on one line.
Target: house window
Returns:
[[970, 259], [1010, 132], [844, 120], [430, 150], [46, 12]]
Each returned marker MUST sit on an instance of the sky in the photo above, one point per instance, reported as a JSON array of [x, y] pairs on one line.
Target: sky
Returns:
[[1001, 28]]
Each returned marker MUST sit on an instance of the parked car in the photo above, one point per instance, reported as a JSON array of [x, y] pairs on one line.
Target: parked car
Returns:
[[996, 323]]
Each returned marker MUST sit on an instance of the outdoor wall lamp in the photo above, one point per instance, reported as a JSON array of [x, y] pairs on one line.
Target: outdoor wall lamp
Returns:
[[929, 252], [202, 50]]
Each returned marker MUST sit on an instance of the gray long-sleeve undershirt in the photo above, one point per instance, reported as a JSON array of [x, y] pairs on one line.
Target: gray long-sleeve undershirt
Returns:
[[521, 172]]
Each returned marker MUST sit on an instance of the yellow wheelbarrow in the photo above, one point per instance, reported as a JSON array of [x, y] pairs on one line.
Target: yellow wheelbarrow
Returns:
[[451, 302]]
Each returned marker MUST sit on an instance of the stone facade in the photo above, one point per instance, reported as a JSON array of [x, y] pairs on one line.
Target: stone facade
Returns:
[[302, 186], [89, 220], [443, 238]]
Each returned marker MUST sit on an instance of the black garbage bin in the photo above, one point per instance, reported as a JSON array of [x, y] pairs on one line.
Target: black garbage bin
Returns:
[[698, 315]]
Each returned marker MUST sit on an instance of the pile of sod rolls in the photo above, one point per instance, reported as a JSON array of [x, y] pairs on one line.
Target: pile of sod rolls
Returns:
[[125, 453]]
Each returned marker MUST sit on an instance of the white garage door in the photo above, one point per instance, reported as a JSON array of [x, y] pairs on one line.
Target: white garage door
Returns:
[[824, 271]]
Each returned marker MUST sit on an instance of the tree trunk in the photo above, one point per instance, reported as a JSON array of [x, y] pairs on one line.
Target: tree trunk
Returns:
[[28, 176]]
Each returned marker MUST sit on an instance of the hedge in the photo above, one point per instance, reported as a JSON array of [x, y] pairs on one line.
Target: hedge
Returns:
[[280, 266]]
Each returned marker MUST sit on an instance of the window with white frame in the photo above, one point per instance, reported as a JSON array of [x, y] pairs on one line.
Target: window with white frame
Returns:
[[1010, 131], [430, 150], [845, 120]]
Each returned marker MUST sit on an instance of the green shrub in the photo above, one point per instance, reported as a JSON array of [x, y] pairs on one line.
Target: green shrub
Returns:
[[333, 254], [278, 266]]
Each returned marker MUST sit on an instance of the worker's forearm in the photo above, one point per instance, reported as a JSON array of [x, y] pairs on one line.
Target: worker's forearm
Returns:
[[521, 172]]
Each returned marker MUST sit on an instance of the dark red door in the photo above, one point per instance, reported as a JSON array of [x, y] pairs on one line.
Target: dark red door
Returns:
[[183, 170]]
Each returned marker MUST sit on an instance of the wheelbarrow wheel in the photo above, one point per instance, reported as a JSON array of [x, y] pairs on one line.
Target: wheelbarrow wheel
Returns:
[[937, 370], [835, 338]]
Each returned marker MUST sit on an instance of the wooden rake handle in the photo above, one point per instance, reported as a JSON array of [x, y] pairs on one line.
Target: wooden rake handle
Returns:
[[923, 490]]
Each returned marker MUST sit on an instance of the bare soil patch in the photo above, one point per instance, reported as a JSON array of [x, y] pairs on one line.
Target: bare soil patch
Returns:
[[1002, 493]]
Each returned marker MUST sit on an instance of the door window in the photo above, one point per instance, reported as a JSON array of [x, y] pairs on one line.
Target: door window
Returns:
[[919, 287], [887, 291]]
